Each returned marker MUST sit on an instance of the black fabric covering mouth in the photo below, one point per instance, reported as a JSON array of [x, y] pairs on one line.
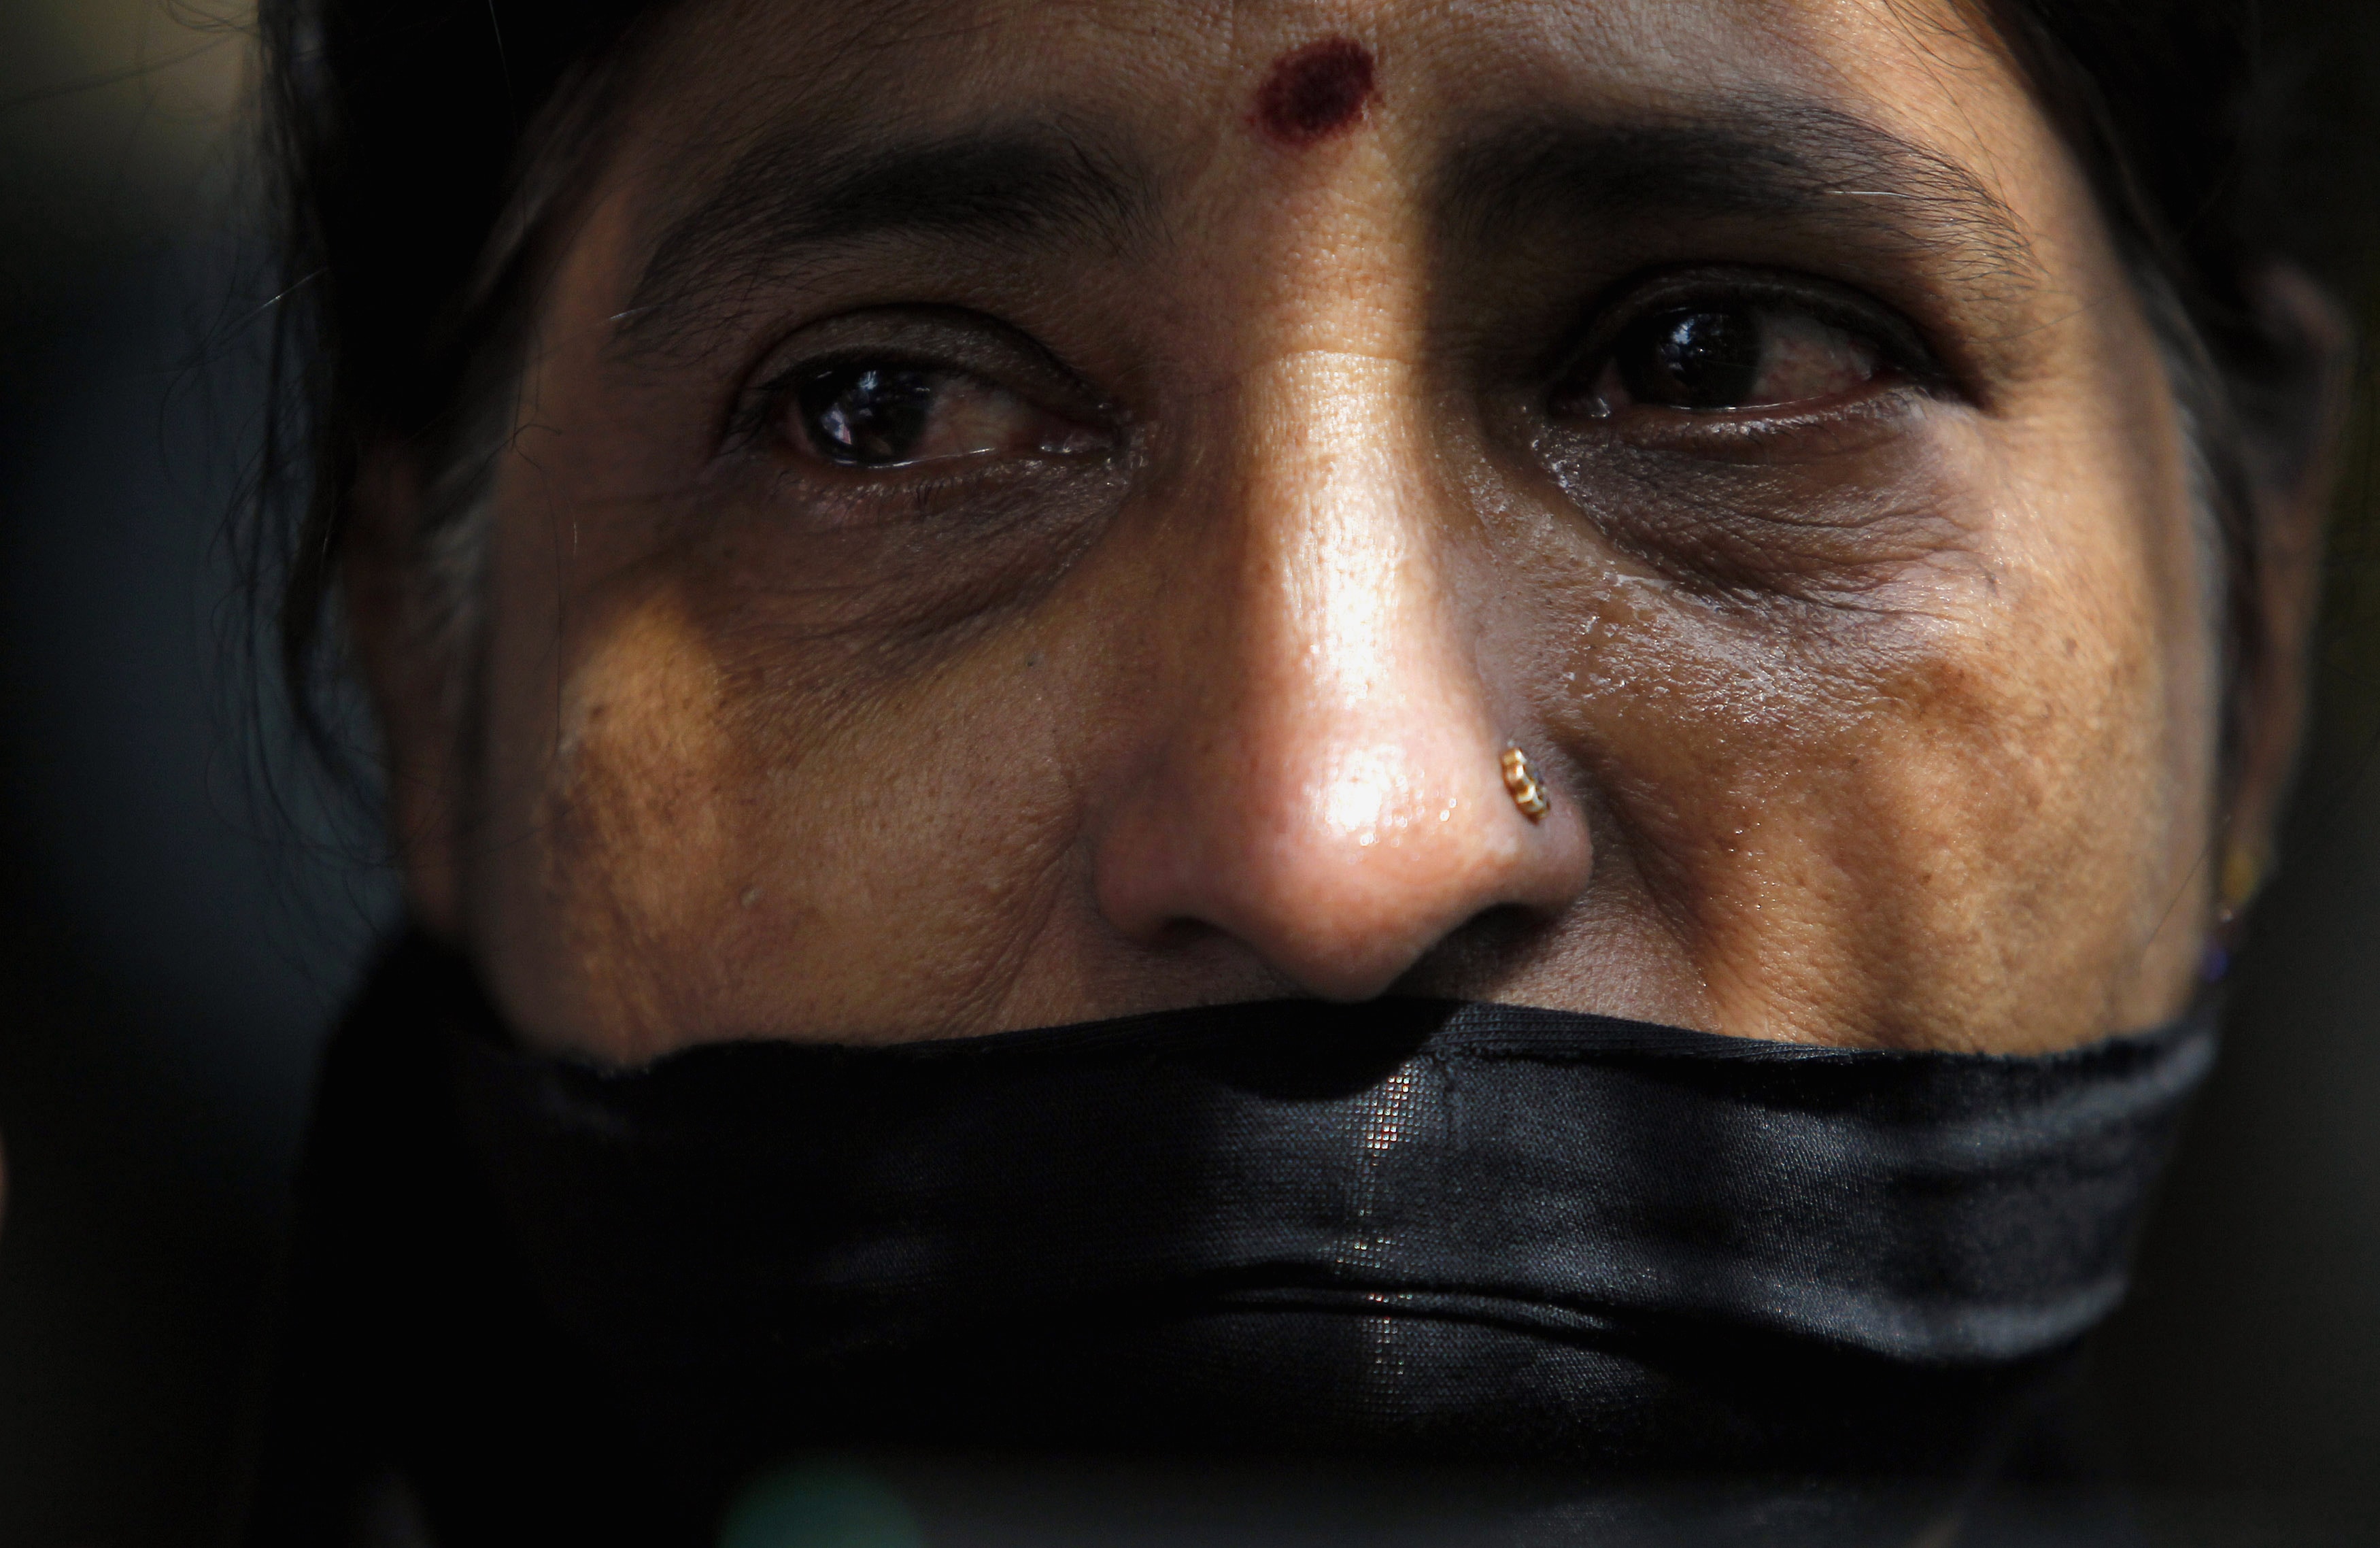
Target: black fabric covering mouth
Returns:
[[1417, 1230]]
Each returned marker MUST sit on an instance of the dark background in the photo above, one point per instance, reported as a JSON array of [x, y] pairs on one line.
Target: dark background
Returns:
[[174, 931]]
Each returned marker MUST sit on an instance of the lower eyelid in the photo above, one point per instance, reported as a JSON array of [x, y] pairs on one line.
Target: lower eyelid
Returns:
[[1855, 515], [1881, 410]]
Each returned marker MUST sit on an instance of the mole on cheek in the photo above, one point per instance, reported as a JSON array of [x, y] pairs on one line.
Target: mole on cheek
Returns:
[[1315, 90]]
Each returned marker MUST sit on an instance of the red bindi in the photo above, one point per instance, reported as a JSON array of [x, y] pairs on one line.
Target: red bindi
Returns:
[[1315, 90]]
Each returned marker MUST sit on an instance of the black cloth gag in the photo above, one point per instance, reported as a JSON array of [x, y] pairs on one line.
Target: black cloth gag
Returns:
[[551, 1298]]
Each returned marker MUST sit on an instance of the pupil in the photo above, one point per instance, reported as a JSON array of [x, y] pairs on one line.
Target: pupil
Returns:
[[867, 415], [1695, 359]]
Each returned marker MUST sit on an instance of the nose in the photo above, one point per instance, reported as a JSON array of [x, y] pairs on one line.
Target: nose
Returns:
[[1328, 791]]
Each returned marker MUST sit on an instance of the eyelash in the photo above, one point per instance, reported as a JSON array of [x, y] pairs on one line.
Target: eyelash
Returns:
[[1898, 344], [767, 411]]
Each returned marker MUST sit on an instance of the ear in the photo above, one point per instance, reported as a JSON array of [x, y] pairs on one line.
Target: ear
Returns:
[[410, 675], [2293, 425]]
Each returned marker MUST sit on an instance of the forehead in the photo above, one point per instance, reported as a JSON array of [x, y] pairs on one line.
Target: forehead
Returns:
[[1887, 143], [1175, 78]]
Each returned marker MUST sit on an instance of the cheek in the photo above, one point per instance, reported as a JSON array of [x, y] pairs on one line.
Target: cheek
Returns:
[[737, 830], [1879, 812], [723, 788], [609, 836]]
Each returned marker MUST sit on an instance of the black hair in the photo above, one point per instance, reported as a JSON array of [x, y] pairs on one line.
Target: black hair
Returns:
[[391, 130], [2221, 136]]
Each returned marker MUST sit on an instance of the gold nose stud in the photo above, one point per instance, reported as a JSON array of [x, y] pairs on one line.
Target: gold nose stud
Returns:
[[1526, 793]]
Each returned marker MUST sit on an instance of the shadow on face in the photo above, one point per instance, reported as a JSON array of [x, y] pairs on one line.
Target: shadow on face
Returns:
[[1014, 514]]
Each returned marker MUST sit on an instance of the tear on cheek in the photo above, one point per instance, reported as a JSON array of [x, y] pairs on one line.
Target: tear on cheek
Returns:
[[1315, 92]]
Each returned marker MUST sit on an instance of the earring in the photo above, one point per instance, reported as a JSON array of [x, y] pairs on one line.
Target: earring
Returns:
[[2243, 874]]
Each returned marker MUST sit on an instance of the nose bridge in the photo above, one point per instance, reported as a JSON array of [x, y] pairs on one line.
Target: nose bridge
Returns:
[[1329, 795], [1341, 592]]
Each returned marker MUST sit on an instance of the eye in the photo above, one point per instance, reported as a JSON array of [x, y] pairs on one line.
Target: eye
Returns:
[[875, 414], [1721, 356]]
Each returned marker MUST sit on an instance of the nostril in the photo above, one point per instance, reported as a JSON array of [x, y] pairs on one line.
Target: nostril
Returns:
[[1502, 923], [1480, 950], [1178, 935], [1280, 880]]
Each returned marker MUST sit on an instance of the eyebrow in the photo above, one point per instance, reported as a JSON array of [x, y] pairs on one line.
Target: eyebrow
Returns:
[[803, 189], [799, 190], [1779, 158]]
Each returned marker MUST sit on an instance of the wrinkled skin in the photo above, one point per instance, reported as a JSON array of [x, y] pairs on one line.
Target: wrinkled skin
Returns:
[[1271, 484]]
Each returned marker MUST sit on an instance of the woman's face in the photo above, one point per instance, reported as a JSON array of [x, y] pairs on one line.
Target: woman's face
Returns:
[[1034, 510]]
